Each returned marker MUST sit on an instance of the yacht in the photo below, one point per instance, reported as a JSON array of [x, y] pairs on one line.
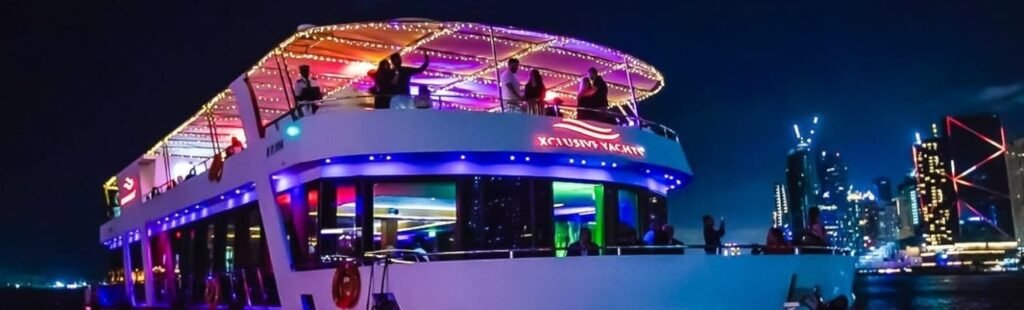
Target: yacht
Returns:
[[455, 196]]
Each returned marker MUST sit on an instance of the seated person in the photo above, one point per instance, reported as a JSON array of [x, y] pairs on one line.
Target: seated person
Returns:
[[235, 147], [422, 100], [584, 246]]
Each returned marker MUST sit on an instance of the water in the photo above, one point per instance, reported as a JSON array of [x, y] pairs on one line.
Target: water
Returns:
[[981, 291], [44, 299]]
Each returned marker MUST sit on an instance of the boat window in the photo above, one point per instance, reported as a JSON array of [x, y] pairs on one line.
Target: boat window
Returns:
[[138, 274], [499, 213], [339, 233], [628, 227], [575, 206], [299, 209], [414, 216]]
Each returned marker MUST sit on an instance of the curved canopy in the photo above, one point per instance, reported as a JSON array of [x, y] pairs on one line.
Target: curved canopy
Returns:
[[463, 62]]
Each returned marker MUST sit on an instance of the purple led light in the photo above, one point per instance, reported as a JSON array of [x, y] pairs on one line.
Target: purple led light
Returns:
[[327, 161]]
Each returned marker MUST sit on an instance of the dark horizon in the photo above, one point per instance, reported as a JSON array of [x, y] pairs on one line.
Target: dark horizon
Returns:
[[95, 85]]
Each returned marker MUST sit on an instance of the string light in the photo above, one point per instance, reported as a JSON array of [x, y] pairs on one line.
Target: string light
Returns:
[[433, 30]]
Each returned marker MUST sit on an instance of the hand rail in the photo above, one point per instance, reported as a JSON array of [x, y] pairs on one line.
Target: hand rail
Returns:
[[612, 250], [438, 103]]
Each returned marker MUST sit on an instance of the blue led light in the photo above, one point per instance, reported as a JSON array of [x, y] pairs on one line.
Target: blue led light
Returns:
[[387, 157], [614, 165], [572, 161], [603, 164], [327, 161], [292, 130], [584, 162], [527, 158], [462, 156], [371, 157], [512, 157]]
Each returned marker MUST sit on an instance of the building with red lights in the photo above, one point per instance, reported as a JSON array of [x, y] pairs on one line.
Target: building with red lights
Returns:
[[976, 146]]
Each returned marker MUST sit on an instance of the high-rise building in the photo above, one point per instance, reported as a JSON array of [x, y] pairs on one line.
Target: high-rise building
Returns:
[[1015, 165], [865, 214], [907, 210], [801, 185], [888, 219], [976, 148], [935, 192], [832, 202], [780, 215], [884, 188]]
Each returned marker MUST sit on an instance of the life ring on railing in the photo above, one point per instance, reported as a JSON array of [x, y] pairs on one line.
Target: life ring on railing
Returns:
[[345, 286], [216, 168], [212, 293]]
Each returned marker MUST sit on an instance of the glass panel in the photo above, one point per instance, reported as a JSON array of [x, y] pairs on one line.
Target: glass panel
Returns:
[[299, 207], [414, 216], [578, 206], [499, 213], [339, 234], [628, 214]]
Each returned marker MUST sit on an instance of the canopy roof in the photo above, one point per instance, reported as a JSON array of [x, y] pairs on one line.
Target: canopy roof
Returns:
[[462, 64]]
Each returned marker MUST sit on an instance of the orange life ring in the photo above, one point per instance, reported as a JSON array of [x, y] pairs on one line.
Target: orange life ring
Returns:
[[345, 287], [212, 293]]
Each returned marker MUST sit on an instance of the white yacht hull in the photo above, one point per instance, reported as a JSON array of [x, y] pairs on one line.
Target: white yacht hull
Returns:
[[692, 281]]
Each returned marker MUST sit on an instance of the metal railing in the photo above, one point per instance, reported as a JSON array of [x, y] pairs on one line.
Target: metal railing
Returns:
[[612, 115], [405, 255]]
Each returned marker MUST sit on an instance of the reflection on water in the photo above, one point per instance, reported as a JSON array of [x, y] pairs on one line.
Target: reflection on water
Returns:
[[988, 291]]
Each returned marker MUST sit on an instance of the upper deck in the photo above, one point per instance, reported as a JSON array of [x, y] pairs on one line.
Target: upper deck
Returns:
[[465, 59]]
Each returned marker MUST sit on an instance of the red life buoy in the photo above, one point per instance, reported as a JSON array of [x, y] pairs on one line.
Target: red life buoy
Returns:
[[345, 287], [212, 294]]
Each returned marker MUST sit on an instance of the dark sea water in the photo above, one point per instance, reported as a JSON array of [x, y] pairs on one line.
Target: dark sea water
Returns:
[[900, 291]]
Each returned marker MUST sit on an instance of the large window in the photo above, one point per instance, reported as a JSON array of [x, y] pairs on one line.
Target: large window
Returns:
[[414, 216], [340, 234], [328, 220], [577, 206]]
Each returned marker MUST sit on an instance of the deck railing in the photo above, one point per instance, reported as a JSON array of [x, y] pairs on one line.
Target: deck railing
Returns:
[[613, 115], [407, 256]]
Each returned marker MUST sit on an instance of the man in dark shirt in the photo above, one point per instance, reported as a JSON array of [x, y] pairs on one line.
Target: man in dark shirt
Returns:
[[403, 77], [585, 246], [712, 237]]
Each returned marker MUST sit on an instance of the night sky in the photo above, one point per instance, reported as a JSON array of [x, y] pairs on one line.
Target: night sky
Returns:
[[89, 87]]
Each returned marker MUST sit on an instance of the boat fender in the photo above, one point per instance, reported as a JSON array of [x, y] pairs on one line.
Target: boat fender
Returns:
[[212, 293], [345, 286]]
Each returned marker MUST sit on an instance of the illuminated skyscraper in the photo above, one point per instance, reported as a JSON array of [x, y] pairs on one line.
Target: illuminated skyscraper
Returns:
[[1015, 164], [977, 166], [780, 215], [832, 198], [888, 217], [935, 192], [802, 186], [865, 230], [907, 209]]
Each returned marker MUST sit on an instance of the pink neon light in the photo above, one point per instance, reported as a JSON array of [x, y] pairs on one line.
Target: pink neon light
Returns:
[[982, 216], [958, 123], [588, 126], [586, 132]]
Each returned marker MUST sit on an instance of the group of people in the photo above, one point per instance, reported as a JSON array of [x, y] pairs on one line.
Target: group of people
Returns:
[[391, 83], [592, 98], [813, 237], [391, 89]]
